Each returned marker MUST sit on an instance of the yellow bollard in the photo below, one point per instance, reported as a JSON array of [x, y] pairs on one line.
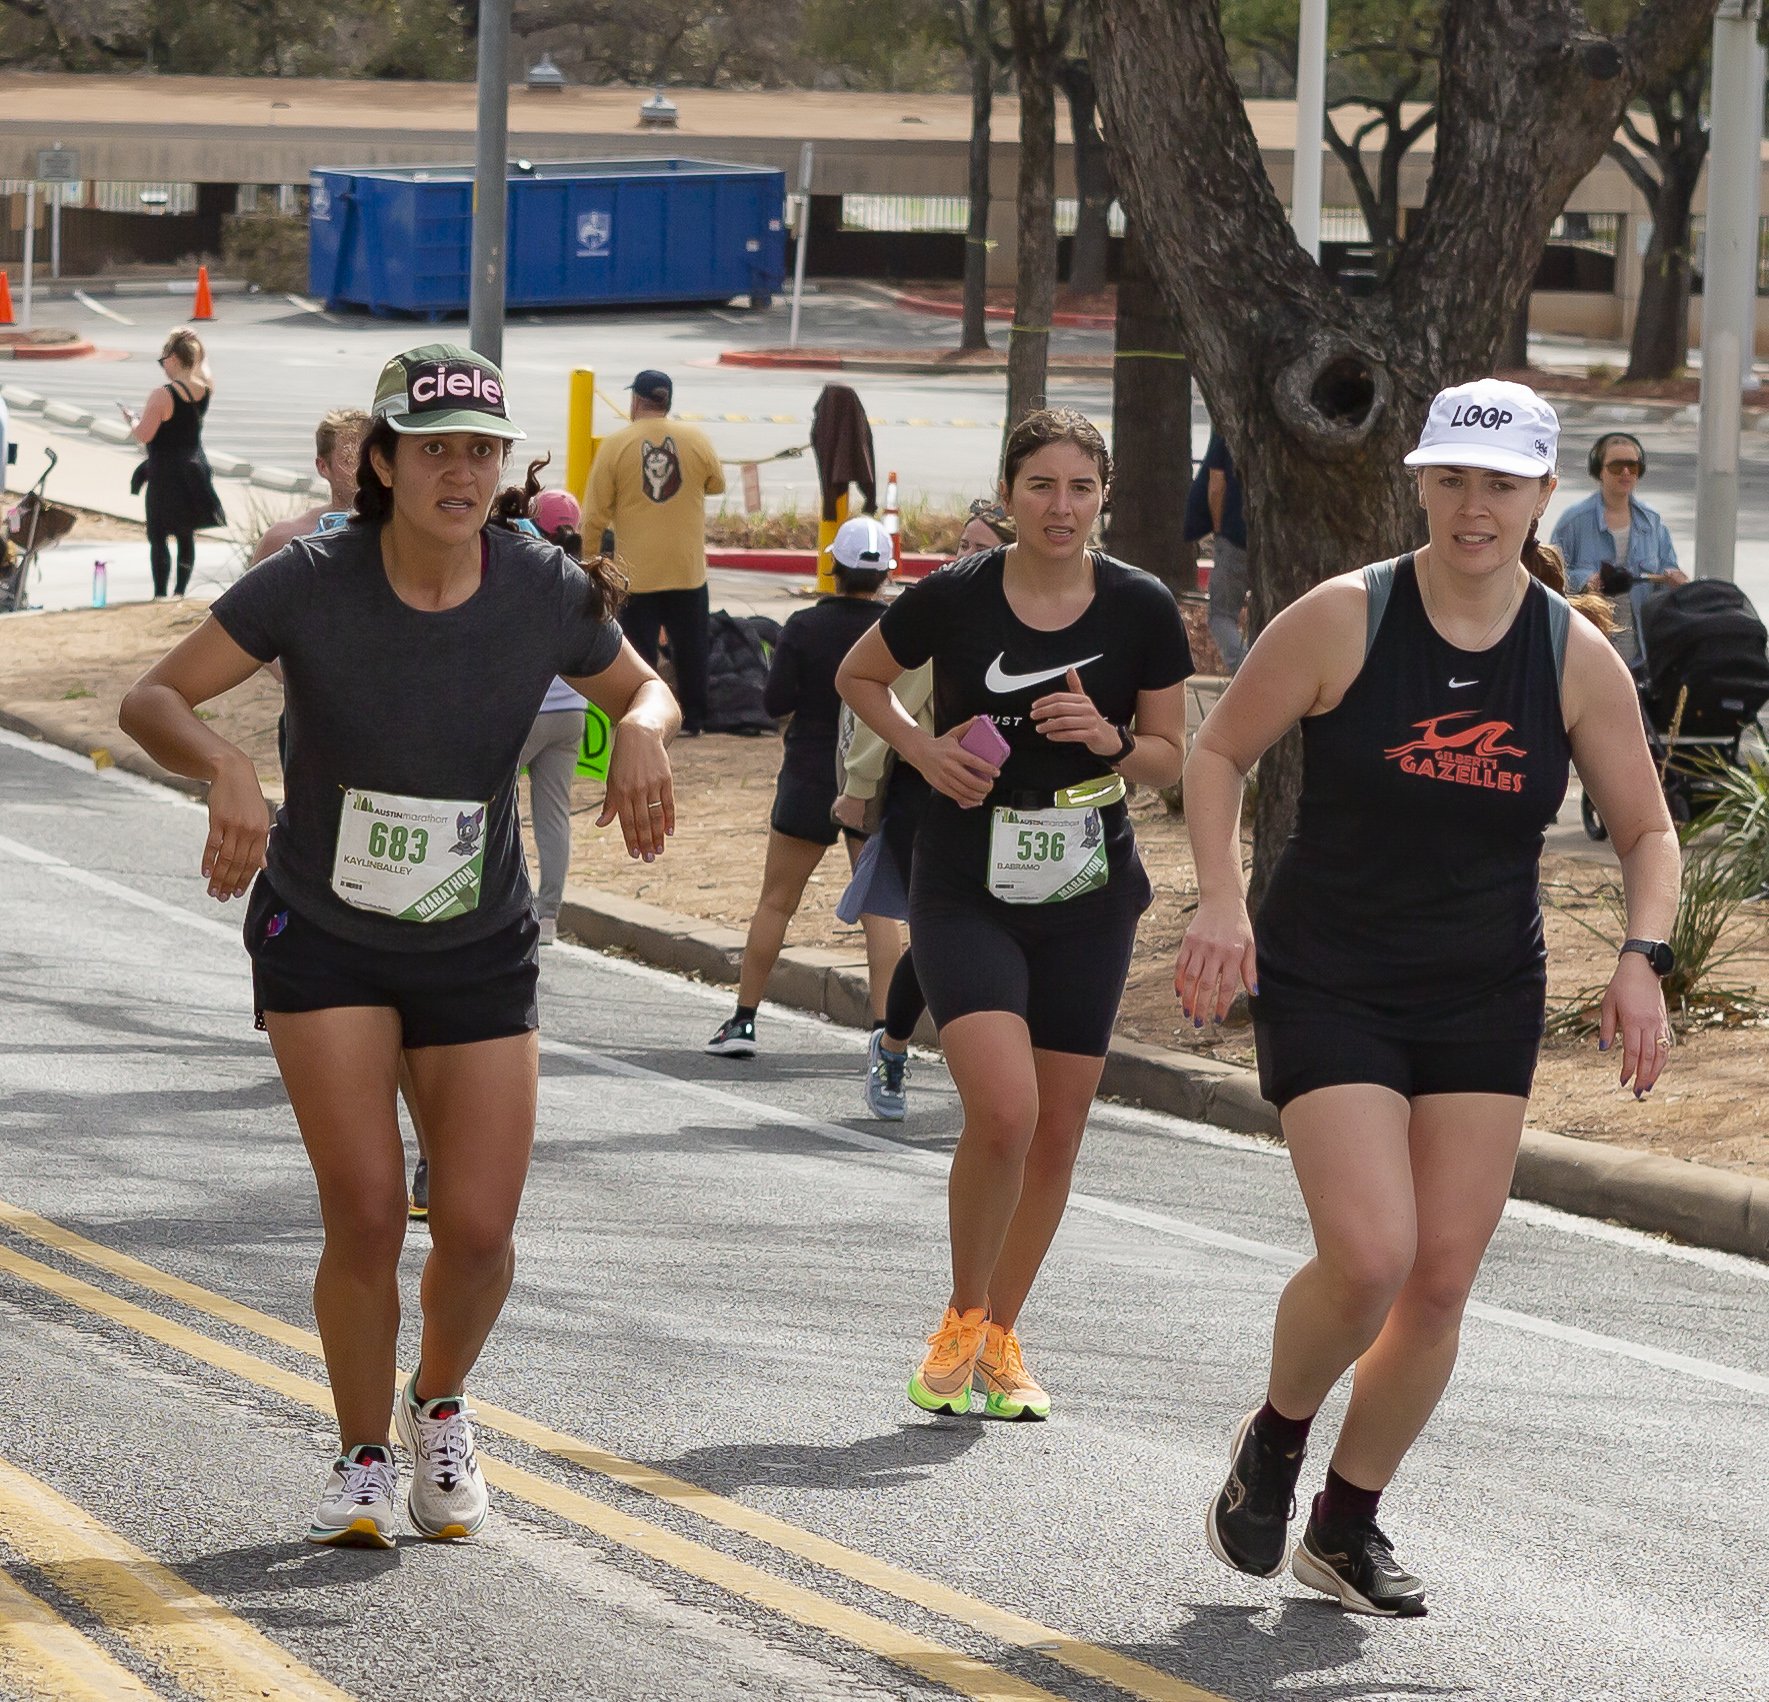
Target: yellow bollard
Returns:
[[826, 530], [580, 439]]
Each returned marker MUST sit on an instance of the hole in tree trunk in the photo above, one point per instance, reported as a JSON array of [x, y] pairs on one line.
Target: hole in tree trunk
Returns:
[[1344, 391]]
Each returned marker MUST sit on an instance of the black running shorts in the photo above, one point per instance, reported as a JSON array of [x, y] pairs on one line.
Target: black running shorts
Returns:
[[1300, 1057], [484, 990], [1060, 966], [801, 808]]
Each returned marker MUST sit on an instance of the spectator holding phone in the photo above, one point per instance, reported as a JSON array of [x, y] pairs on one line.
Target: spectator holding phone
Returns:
[[1059, 675]]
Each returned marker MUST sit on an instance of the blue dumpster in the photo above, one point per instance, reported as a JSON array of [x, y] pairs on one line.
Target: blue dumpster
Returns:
[[579, 234]]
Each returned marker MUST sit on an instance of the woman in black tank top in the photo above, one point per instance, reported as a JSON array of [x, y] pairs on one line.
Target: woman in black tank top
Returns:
[[181, 497], [1397, 967]]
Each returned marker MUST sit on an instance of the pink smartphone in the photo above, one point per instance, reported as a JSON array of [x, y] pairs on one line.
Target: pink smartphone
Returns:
[[984, 739]]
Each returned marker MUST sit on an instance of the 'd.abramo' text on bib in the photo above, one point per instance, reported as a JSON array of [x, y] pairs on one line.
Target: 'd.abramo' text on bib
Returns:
[[1045, 856]]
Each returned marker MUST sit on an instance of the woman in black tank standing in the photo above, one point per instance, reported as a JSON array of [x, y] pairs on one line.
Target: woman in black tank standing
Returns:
[[181, 497], [1397, 967], [392, 920], [1026, 887]]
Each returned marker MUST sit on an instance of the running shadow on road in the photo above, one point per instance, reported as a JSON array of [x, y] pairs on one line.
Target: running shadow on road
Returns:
[[1249, 1652], [908, 1454], [285, 1569]]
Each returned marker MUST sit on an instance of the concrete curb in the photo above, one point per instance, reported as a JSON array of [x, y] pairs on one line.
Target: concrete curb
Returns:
[[47, 351], [1695, 1203], [64, 416], [942, 309]]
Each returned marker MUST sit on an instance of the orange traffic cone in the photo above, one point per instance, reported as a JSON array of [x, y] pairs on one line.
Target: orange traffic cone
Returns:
[[204, 307], [5, 298]]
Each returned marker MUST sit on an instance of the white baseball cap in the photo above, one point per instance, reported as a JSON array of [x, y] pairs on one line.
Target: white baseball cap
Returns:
[[1506, 428], [862, 543]]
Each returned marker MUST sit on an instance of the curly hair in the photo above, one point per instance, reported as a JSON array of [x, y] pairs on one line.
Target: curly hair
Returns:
[[374, 506]]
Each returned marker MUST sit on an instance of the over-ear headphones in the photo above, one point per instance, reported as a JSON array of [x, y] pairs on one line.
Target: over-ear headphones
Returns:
[[1594, 461]]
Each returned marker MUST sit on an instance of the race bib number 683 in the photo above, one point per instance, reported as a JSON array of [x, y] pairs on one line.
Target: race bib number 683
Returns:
[[420, 859]]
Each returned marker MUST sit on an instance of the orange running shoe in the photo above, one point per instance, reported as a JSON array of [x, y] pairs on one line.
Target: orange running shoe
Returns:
[[943, 1382], [1010, 1390]]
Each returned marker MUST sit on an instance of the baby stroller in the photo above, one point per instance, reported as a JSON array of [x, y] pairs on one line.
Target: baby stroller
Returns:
[[32, 526], [1702, 670]]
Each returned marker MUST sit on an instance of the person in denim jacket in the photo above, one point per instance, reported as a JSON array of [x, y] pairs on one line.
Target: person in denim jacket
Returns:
[[1613, 528]]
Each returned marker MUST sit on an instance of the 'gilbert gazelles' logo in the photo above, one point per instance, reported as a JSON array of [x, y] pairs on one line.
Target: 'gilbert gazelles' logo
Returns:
[[1465, 755]]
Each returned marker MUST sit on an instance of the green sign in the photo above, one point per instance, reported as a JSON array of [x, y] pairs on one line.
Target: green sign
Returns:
[[598, 741]]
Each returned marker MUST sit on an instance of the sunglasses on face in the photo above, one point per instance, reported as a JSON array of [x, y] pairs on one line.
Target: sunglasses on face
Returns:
[[987, 508], [1634, 467]]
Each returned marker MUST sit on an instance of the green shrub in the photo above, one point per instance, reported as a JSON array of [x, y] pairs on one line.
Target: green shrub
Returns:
[[266, 249]]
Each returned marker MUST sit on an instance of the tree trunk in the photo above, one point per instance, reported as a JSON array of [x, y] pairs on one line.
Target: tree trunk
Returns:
[[1660, 345], [1152, 436], [1513, 355], [1028, 348], [1094, 188], [1320, 395], [975, 334]]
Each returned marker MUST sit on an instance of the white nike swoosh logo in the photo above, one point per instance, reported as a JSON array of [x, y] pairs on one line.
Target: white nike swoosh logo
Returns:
[[1457, 684], [998, 680]]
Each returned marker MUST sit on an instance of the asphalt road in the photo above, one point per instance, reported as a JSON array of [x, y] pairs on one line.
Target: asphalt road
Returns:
[[726, 1271]]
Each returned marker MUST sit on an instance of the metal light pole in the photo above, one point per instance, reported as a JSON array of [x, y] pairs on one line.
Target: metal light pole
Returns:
[[804, 240], [1311, 124], [485, 309], [1729, 279]]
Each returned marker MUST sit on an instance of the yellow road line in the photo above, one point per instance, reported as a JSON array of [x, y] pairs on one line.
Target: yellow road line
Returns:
[[206, 1650], [1148, 1683], [43, 1656], [962, 1673]]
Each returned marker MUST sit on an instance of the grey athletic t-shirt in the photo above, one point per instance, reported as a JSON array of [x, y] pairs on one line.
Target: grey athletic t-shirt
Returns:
[[386, 698]]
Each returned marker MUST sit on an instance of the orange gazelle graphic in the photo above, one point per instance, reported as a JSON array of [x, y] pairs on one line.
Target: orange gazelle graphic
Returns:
[[1481, 740], [1465, 756]]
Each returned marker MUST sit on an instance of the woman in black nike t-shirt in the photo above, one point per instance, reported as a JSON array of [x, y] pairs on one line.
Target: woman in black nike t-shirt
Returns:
[[1399, 982], [1027, 886]]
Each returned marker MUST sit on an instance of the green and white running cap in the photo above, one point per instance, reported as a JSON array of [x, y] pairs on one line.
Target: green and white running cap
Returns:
[[443, 387]]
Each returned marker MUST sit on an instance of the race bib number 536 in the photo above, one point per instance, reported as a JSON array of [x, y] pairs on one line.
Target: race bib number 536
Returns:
[[420, 859]]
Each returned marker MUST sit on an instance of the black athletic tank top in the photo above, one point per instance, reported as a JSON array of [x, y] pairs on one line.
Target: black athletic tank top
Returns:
[[1409, 895]]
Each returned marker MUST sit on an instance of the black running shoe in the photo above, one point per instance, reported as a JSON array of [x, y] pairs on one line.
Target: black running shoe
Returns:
[[419, 1208], [735, 1038], [1355, 1562], [1249, 1522]]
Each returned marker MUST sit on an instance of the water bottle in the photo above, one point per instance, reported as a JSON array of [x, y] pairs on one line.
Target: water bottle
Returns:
[[100, 590]]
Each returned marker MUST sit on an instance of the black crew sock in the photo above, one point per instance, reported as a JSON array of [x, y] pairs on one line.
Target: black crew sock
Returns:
[[878, 1022], [746, 1013], [1342, 1502], [1287, 1435]]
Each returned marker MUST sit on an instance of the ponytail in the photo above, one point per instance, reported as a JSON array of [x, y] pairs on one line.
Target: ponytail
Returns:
[[1547, 564]]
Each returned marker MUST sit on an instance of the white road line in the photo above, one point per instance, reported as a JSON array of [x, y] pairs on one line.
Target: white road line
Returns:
[[1162, 1223], [97, 306], [229, 931]]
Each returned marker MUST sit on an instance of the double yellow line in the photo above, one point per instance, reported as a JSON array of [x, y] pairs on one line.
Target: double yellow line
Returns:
[[959, 1672], [176, 1630]]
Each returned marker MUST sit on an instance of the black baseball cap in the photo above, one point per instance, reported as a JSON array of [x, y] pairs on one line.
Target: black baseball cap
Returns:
[[654, 386]]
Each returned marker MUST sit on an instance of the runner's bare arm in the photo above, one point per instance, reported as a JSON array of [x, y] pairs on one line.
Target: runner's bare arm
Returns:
[[1616, 768], [864, 680], [1069, 716], [646, 718], [1300, 664], [160, 714]]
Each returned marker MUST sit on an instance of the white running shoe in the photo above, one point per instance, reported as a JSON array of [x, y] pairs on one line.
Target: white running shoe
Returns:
[[356, 1506], [447, 1496]]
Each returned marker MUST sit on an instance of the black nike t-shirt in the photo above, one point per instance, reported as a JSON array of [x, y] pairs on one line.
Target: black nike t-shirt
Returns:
[[987, 661]]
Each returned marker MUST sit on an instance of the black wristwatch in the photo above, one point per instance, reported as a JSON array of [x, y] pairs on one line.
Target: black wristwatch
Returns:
[[1122, 729], [1659, 956]]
